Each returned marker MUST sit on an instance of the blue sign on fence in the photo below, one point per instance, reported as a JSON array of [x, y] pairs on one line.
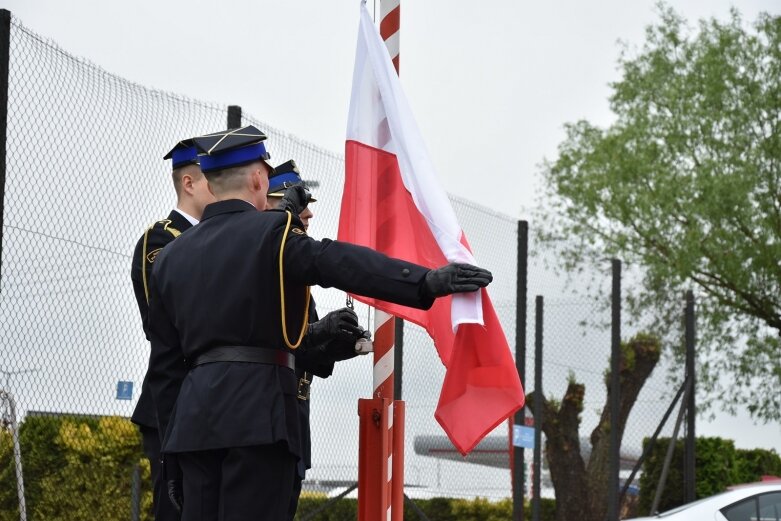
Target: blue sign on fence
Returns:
[[523, 436], [124, 390]]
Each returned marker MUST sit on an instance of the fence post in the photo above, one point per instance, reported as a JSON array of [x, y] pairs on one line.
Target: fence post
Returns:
[[518, 460], [397, 449], [691, 409], [234, 116], [135, 494], [538, 396], [5, 48], [670, 449], [398, 358], [8, 406], [5, 51], [615, 393]]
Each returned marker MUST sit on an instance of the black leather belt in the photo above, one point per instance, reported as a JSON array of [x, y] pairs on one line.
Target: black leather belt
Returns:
[[252, 354]]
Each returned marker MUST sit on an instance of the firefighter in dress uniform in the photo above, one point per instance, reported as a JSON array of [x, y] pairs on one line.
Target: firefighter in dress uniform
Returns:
[[228, 308], [339, 331], [192, 196]]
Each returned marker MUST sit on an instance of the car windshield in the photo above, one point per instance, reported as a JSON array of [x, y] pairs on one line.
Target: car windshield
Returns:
[[687, 505]]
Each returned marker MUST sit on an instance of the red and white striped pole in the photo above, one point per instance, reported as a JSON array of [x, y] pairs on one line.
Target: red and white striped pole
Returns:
[[384, 355], [390, 22], [385, 325], [381, 452], [377, 471]]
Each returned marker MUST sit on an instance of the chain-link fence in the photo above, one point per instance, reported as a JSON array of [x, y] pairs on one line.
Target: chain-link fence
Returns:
[[84, 178], [577, 348]]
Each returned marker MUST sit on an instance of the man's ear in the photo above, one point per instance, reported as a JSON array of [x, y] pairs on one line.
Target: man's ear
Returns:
[[256, 181], [187, 184]]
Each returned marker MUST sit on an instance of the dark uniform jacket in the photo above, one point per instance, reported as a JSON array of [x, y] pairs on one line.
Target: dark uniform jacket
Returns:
[[219, 285], [147, 248], [308, 364]]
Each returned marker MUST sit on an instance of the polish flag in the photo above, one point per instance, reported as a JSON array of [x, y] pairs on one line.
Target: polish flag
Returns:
[[394, 203]]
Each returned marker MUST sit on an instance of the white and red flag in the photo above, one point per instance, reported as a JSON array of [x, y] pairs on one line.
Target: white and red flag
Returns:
[[394, 203]]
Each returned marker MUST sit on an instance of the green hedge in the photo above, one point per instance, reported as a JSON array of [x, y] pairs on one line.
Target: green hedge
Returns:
[[80, 468], [718, 464], [436, 509], [75, 468]]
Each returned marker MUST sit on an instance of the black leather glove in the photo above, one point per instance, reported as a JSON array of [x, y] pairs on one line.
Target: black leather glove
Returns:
[[455, 278], [175, 493], [340, 349], [172, 474], [341, 324], [295, 200]]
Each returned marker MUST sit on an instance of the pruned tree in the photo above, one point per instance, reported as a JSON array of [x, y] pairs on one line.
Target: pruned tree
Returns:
[[580, 485]]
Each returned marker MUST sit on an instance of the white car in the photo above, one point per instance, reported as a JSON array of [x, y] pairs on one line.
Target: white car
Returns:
[[753, 502]]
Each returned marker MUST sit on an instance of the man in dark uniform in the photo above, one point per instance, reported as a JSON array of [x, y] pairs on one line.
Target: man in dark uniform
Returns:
[[318, 360], [228, 307], [192, 196]]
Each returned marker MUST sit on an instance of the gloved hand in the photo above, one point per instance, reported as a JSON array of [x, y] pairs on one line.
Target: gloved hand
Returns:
[[455, 278], [172, 475], [295, 200], [175, 493], [340, 349], [340, 324]]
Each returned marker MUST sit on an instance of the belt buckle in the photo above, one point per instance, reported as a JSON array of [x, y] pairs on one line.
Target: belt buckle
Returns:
[[303, 387]]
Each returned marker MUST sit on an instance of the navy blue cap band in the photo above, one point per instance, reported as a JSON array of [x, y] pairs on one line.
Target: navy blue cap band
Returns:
[[184, 156], [279, 182], [234, 157]]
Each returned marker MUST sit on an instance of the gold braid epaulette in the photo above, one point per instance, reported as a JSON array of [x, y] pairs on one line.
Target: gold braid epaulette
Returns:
[[166, 227]]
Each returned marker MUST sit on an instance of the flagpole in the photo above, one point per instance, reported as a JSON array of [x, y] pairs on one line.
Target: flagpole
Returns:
[[383, 483], [390, 25]]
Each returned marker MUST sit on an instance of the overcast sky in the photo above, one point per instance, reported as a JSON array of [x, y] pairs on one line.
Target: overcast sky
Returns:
[[491, 83], [491, 86]]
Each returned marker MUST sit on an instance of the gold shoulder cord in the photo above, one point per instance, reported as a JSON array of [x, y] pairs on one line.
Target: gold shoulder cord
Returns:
[[143, 264], [170, 229], [173, 231], [282, 293]]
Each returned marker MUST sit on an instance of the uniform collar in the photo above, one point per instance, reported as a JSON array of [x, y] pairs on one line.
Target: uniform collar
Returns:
[[192, 220], [178, 221], [227, 206]]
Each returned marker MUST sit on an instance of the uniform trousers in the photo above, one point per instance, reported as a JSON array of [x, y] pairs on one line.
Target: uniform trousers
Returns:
[[161, 506], [294, 498], [238, 484]]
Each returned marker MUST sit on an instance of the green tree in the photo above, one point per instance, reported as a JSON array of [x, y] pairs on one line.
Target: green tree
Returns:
[[684, 186]]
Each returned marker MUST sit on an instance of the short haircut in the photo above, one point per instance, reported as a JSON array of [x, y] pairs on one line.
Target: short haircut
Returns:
[[191, 169], [231, 179], [273, 202]]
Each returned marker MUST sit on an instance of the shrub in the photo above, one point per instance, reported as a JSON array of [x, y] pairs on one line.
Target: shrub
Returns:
[[718, 464], [435, 509], [74, 468]]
